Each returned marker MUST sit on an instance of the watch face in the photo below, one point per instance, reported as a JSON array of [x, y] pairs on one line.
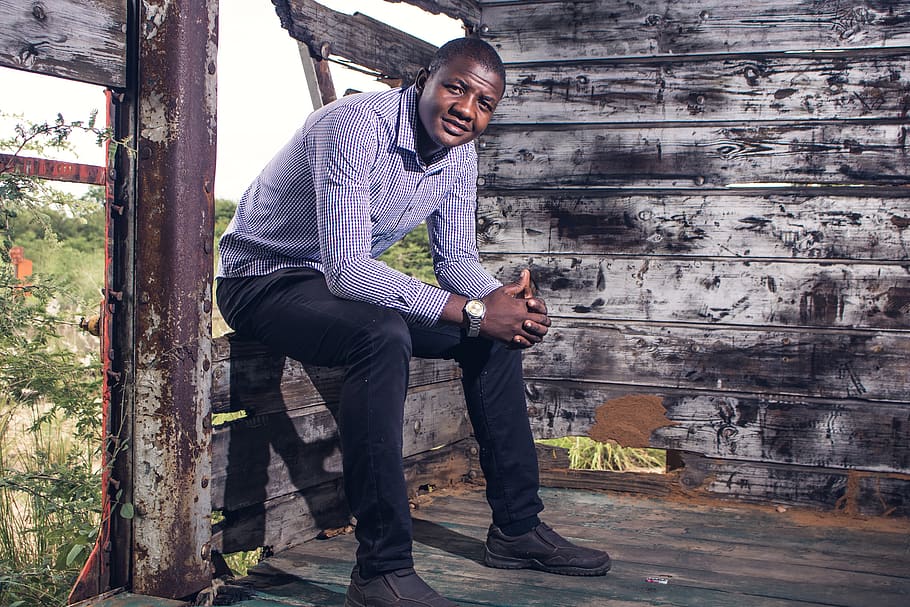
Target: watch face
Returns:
[[475, 307]]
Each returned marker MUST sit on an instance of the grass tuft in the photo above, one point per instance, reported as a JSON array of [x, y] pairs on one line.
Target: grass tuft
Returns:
[[588, 454]]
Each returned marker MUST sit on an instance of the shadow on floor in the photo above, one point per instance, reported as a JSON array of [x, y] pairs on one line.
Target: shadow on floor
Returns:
[[444, 539]]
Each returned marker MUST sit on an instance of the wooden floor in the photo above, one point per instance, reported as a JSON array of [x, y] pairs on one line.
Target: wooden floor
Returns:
[[709, 555]]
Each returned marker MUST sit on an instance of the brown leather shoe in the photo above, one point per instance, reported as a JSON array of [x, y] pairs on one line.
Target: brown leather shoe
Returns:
[[545, 550], [401, 588]]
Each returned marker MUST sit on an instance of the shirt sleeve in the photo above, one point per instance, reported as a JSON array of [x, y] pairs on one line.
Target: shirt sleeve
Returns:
[[343, 148], [453, 238]]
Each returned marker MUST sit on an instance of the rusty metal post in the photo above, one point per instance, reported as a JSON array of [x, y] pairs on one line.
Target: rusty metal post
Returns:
[[172, 244]]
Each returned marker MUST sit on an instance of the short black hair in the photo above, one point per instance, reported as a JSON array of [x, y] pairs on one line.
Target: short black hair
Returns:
[[472, 48]]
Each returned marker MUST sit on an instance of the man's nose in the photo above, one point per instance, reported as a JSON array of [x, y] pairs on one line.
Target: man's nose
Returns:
[[462, 108]]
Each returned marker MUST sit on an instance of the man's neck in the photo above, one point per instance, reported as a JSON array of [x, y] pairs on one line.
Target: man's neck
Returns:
[[427, 149]]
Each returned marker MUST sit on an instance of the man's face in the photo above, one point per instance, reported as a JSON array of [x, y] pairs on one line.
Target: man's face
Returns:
[[457, 101]]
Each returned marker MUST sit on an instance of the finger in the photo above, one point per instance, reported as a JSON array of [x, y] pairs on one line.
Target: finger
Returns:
[[520, 342], [534, 328], [536, 304], [541, 319], [529, 335], [524, 281]]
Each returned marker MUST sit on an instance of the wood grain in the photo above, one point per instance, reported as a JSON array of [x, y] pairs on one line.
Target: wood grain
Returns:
[[294, 518], [248, 377], [709, 89], [854, 493], [82, 40], [358, 38], [803, 431], [867, 365], [690, 157], [713, 554], [592, 29], [467, 11], [265, 456], [771, 225], [757, 293]]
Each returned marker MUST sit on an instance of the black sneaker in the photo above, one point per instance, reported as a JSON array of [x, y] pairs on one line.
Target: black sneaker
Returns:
[[401, 588], [545, 550]]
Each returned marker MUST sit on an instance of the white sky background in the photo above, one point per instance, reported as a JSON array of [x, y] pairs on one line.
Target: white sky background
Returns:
[[262, 92]]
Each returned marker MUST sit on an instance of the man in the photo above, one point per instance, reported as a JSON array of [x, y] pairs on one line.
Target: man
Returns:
[[299, 273]]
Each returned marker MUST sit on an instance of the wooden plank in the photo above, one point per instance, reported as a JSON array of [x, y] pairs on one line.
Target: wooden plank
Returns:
[[851, 492], [119, 598], [291, 519], [802, 431], [81, 40], [709, 89], [247, 376], [883, 495], [696, 156], [593, 29], [822, 226], [467, 11], [553, 463], [701, 545], [871, 366], [705, 550], [284, 521], [701, 525], [748, 292], [358, 38], [265, 456]]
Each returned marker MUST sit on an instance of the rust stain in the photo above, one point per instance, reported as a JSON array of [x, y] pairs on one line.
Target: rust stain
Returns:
[[848, 503], [629, 420]]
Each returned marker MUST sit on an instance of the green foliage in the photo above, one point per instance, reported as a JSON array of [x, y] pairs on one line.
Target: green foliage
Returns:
[[224, 212], [411, 256], [588, 454], [49, 431], [50, 414], [66, 245]]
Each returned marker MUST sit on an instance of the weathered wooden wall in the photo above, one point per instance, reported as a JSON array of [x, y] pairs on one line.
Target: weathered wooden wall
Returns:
[[277, 471], [82, 40], [713, 200]]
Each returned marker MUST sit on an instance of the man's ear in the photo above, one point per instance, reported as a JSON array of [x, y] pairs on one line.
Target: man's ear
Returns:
[[421, 80]]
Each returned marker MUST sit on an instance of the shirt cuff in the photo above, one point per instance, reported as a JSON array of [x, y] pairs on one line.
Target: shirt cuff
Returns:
[[429, 304]]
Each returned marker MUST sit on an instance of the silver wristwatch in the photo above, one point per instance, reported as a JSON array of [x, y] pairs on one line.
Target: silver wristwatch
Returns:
[[474, 311]]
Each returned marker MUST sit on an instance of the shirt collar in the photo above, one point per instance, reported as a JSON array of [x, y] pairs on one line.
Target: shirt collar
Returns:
[[407, 134]]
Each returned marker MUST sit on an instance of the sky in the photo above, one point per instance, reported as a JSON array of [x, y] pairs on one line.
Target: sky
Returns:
[[262, 92]]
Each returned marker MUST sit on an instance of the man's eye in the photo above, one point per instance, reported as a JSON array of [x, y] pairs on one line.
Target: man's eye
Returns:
[[454, 88]]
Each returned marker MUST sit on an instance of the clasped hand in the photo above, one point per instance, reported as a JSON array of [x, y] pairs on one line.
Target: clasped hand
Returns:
[[515, 315]]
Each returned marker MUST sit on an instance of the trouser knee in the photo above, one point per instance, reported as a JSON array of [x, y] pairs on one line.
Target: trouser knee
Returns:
[[383, 335]]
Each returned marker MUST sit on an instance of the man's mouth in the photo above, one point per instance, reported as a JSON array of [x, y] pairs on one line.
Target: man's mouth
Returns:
[[454, 128]]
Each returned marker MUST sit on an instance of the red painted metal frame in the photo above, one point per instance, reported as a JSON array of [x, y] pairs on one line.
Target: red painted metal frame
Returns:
[[55, 170], [95, 577]]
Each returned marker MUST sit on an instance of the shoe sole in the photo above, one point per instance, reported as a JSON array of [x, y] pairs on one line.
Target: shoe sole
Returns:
[[505, 562]]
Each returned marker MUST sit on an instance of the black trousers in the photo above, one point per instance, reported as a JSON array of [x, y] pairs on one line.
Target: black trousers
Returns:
[[293, 312]]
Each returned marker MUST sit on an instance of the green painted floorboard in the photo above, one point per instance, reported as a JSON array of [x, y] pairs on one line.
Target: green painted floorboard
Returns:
[[711, 555]]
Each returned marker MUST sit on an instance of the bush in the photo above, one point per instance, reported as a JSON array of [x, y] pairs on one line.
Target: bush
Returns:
[[50, 407]]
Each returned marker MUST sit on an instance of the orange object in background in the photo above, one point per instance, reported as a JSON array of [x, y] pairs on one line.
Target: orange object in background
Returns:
[[21, 266]]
